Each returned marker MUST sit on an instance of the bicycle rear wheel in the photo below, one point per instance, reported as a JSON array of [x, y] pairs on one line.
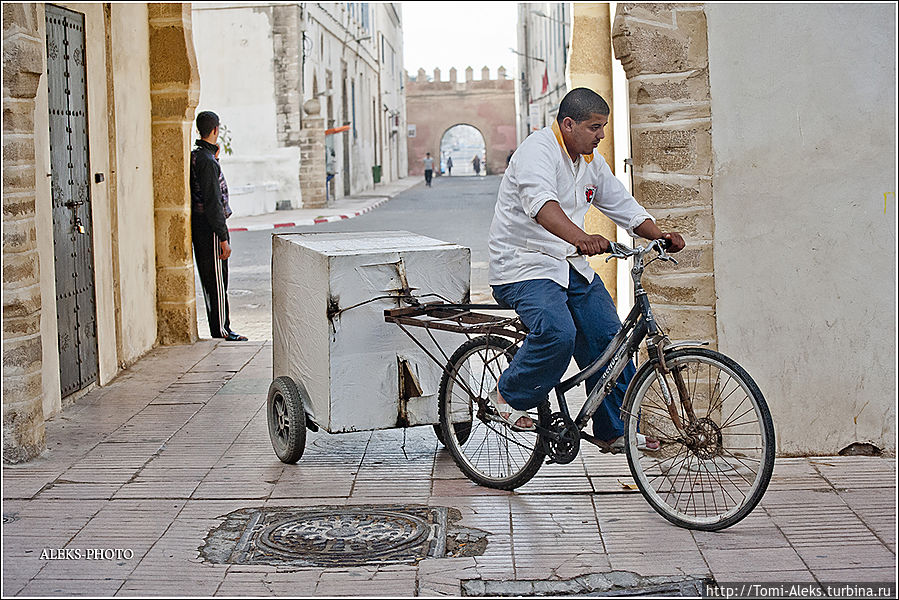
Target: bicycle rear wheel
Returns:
[[488, 451], [713, 470]]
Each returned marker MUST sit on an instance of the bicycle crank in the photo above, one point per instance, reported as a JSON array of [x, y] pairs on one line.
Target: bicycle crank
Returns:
[[562, 440]]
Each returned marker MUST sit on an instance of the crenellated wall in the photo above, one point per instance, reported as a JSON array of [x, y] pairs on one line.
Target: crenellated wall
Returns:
[[435, 106]]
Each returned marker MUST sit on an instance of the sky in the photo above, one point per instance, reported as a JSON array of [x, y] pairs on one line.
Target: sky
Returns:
[[459, 34]]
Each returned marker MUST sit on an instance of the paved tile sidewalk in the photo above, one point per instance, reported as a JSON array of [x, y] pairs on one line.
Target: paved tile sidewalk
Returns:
[[151, 463], [343, 208]]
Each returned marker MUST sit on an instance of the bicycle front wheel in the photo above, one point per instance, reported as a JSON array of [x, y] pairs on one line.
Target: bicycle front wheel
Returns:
[[488, 451], [714, 465]]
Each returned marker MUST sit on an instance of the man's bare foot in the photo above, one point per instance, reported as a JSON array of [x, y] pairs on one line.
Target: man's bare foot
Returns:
[[644, 442], [505, 411]]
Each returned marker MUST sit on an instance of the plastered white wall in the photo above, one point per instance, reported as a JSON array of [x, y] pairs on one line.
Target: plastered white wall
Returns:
[[804, 142], [134, 179], [235, 61]]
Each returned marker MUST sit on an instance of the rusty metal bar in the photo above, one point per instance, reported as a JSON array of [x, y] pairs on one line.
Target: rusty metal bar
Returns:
[[458, 318]]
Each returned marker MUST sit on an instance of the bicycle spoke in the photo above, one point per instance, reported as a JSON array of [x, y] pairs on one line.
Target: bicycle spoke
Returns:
[[712, 472], [490, 453]]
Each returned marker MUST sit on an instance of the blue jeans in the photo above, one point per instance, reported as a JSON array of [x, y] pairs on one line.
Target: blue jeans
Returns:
[[579, 321]]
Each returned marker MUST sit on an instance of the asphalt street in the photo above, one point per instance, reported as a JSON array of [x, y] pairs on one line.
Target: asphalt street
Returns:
[[454, 209]]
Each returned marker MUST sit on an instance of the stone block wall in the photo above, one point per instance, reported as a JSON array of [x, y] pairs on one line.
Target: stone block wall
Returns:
[[23, 418], [174, 95], [664, 51], [287, 52], [312, 159]]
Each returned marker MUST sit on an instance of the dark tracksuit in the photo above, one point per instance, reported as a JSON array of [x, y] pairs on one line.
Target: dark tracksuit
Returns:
[[207, 223]]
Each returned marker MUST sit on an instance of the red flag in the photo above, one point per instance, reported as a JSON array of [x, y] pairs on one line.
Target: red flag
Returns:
[[545, 81]]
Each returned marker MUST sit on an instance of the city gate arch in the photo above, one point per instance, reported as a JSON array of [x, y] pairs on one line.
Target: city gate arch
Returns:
[[461, 142], [434, 107]]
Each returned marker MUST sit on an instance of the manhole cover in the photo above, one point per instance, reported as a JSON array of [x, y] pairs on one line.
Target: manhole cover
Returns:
[[329, 536]]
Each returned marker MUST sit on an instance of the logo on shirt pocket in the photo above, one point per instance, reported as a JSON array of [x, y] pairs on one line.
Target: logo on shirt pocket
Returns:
[[589, 193]]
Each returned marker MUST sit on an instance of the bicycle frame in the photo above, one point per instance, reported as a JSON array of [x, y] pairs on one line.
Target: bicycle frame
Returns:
[[639, 324], [614, 359]]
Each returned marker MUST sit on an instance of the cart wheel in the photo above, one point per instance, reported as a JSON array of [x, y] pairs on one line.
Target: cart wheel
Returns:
[[462, 432], [286, 419]]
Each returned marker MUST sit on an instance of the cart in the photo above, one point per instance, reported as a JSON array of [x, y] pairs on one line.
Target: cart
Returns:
[[338, 364]]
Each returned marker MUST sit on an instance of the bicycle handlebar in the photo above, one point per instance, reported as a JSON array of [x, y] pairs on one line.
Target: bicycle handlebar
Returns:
[[617, 250]]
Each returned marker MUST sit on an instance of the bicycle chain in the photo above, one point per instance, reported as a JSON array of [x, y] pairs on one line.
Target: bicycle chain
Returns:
[[564, 445]]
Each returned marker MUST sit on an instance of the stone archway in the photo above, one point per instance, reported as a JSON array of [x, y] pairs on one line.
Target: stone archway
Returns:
[[461, 142], [433, 107]]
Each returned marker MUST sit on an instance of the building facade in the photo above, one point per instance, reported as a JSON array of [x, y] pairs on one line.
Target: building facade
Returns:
[[544, 39], [790, 266], [312, 95], [97, 266]]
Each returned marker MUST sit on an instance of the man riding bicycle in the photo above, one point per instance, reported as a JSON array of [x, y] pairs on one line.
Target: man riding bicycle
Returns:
[[538, 267]]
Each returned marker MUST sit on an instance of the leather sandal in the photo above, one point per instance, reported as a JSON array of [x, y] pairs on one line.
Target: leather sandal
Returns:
[[616, 446], [510, 416], [235, 337]]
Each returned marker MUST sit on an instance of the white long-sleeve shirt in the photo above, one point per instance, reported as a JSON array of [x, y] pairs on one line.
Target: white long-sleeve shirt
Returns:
[[540, 171]]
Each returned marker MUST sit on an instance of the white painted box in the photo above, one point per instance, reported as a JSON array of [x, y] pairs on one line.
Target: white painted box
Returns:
[[329, 293]]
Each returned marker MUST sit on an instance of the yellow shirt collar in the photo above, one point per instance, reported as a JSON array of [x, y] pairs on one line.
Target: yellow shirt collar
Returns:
[[558, 132]]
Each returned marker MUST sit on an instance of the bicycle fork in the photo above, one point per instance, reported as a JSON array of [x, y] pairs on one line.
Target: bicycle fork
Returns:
[[662, 372]]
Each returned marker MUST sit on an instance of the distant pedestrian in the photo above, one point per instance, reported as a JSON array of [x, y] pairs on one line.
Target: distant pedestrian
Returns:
[[449, 166], [429, 168], [476, 163]]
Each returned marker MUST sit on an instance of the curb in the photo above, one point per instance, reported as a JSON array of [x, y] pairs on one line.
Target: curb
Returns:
[[304, 222]]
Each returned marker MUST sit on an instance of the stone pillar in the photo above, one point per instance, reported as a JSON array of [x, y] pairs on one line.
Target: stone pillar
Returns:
[[664, 51], [501, 73], [590, 66], [312, 157], [174, 94], [469, 75], [23, 416], [437, 75], [452, 75], [422, 77], [286, 50], [485, 74]]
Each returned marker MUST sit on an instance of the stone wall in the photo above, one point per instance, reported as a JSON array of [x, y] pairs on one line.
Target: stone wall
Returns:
[[591, 67], [286, 63], [312, 157], [174, 94], [23, 419], [664, 51]]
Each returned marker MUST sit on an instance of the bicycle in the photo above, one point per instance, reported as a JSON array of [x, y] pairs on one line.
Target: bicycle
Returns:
[[715, 431]]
